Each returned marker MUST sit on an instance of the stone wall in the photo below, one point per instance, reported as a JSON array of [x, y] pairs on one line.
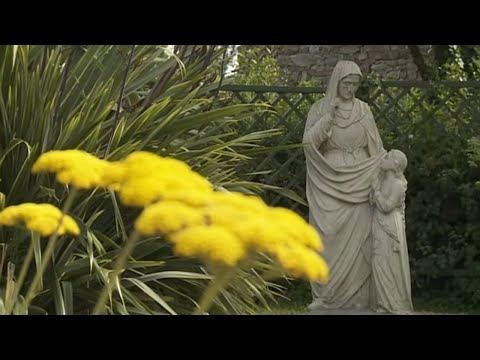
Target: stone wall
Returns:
[[316, 62]]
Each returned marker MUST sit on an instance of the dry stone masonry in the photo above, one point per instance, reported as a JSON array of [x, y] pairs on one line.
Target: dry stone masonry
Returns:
[[316, 62]]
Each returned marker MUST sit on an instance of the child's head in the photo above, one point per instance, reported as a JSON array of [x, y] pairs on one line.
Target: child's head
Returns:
[[395, 161]]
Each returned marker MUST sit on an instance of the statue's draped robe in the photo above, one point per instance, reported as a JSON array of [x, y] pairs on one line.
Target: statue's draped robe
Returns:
[[390, 267], [341, 163]]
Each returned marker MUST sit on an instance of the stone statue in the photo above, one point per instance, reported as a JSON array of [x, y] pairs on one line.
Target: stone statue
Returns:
[[390, 267], [343, 150]]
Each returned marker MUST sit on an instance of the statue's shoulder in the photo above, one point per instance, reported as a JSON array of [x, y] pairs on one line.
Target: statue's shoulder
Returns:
[[318, 104], [363, 105], [364, 110], [316, 108]]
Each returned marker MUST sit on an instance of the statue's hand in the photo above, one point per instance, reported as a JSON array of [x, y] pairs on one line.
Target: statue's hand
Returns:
[[331, 113], [376, 195]]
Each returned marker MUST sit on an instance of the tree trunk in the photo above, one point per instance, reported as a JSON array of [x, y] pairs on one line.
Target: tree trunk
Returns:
[[426, 71]]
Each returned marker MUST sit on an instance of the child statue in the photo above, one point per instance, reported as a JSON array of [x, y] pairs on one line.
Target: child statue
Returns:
[[390, 266]]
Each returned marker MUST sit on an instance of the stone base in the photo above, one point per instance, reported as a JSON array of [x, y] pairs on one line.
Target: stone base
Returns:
[[345, 312]]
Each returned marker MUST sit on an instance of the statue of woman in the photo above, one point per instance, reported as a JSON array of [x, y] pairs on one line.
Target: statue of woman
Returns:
[[390, 267], [343, 149]]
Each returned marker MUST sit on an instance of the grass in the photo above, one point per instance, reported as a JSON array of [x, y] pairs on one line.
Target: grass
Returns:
[[451, 306], [297, 298], [293, 309], [298, 295]]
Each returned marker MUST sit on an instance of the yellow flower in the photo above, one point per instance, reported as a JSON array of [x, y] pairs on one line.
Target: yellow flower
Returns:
[[238, 212], [258, 225], [212, 243], [302, 262], [192, 197], [78, 168], [256, 232], [112, 174], [41, 218], [166, 217], [224, 227], [143, 163], [296, 228], [148, 178], [142, 192], [8, 217], [223, 214], [267, 235], [242, 202], [157, 187]]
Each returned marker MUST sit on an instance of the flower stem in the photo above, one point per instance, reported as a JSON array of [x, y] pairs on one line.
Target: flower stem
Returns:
[[118, 267], [35, 237], [48, 252], [218, 283]]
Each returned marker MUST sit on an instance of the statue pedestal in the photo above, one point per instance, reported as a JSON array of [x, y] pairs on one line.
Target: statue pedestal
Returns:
[[346, 312]]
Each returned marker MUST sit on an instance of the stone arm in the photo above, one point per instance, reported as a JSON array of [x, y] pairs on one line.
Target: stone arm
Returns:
[[319, 128], [387, 204], [374, 186]]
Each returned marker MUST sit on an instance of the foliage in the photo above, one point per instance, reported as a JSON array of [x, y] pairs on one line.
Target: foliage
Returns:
[[448, 62], [437, 126], [227, 231], [433, 125], [258, 67], [110, 101], [474, 151]]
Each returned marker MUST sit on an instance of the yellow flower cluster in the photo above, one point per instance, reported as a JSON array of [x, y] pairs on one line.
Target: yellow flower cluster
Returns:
[[226, 227], [41, 218], [78, 168], [167, 217], [141, 179], [214, 243], [219, 227], [148, 178]]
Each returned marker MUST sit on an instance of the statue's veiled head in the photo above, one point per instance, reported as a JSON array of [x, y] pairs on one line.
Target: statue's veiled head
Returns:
[[344, 81]]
